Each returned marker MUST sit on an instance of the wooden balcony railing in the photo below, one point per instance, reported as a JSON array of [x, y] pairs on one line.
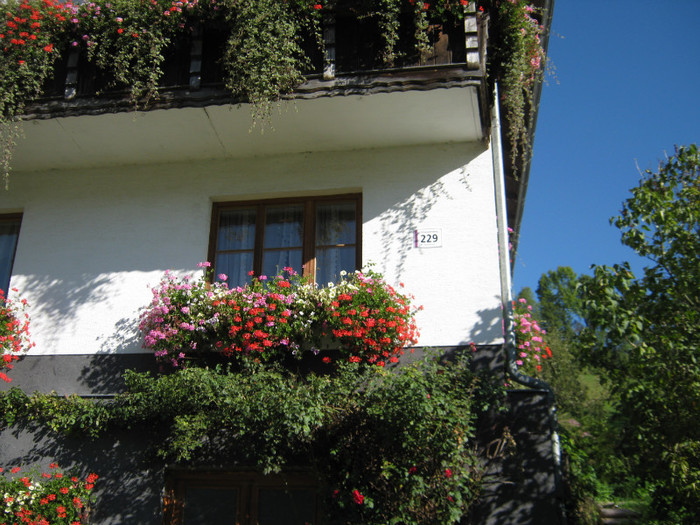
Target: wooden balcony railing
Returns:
[[352, 46]]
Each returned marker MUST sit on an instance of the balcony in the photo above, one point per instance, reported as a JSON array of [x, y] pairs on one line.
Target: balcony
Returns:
[[84, 121]]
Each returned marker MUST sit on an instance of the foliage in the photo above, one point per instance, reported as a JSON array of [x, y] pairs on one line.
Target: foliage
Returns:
[[643, 332], [388, 446], [51, 498], [276, 318], [560, 303], [14, 332], [580, 481], [263, 58], [129, 38], [30, 38], [517, 43]]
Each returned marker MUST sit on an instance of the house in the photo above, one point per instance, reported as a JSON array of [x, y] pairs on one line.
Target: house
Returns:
[[405, 162]]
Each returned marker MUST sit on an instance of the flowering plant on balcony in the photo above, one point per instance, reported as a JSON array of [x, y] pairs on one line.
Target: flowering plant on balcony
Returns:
[[129, 38], [276, 318], [264, 56], [49, 498], [14, 332], [530, 340], [30, 37], [520, 66]]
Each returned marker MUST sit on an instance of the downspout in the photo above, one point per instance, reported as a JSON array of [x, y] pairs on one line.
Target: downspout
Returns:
[[509, 342], [503, 255]]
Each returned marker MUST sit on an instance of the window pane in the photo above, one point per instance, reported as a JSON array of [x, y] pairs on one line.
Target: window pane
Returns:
[[281, 507], [236, 229], [335, 223], [275, 260], [236, 266], [204, 506], [284, 226], [330, 261], [9, 232]]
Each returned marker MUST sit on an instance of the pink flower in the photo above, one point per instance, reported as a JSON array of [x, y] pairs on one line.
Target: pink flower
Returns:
[[223, 277], [205, 264]]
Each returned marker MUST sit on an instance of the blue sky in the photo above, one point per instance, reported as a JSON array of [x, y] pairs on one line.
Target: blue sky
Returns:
[[626, 89]]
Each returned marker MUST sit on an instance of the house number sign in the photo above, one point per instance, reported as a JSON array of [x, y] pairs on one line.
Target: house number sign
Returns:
[[428, 238]]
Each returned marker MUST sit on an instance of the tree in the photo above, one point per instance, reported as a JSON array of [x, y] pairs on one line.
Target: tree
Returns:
[[560, 301], [643, 332]]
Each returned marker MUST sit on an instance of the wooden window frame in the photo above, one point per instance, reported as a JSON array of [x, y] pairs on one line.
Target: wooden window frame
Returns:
[[248, 484], [309, 227], [11, 218]]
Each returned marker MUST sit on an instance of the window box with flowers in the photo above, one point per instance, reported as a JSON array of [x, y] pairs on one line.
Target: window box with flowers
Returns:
[[278, 318]]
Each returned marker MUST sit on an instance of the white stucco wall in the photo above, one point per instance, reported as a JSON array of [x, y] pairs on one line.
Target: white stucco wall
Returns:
[[92, 241]]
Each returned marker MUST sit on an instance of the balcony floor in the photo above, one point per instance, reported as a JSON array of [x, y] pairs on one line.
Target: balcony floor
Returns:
[[315, 119]]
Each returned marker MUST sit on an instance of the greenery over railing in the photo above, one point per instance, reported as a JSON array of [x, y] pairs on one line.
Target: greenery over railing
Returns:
[[387, 446]]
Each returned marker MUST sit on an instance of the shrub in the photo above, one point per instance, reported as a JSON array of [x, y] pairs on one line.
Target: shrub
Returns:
[[49, 498], [14, 332]]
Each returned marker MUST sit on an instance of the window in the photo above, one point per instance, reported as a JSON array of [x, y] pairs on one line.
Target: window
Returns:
[[317, 237], [244, 498], [9, 232]]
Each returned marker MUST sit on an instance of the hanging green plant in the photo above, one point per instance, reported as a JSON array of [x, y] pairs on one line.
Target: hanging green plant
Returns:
[[264, 57], [129, 39], [30, 38], [519, 67]]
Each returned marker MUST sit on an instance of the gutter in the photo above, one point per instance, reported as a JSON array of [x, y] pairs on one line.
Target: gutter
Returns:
[[547, 7]]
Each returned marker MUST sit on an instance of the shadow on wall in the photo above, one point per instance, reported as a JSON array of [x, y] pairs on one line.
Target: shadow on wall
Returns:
[[414, 185], [399, 222], [490, 322], [124, 337], [58, 305], [521, 486], [60, 299]]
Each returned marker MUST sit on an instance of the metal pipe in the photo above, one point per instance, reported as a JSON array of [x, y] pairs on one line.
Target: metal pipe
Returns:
[[509, 342]]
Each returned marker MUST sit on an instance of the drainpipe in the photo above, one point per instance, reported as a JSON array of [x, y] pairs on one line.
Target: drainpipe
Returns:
[[503, 256], [510, 346]]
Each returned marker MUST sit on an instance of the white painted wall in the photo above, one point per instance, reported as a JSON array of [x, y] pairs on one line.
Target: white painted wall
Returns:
[[92, 241]]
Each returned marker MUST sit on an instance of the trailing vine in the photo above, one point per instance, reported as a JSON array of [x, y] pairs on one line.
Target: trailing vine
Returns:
[[263, 56], [517, 44]]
